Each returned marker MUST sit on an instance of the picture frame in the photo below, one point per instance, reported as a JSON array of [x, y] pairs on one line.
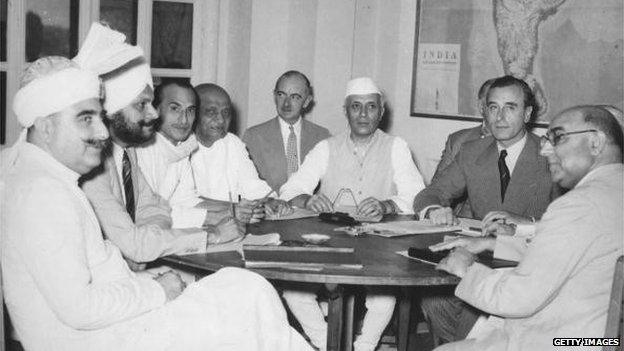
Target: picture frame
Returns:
[[572, 55]]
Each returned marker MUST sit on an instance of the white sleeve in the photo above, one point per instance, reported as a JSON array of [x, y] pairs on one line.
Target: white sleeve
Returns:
[[407, 178], [250, 186], [305, 180]]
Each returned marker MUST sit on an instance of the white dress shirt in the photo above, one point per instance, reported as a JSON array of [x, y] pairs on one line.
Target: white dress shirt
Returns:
[[224, 171], [406, 176], [513, 152], [285, 129]]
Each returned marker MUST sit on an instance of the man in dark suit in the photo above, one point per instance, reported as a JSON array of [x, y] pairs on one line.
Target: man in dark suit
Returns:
[[461, 206], [279, 145], [502, 172]]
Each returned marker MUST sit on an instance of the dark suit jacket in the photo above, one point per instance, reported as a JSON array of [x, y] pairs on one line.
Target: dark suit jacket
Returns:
[[266, 148], [474, 172], [461, 206]]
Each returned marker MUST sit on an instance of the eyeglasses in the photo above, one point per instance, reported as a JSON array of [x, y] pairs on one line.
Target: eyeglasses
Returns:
[[344, 192], [554, 139]]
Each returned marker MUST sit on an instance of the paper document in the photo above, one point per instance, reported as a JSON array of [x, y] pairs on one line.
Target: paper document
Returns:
[[297, 213], [400, 228], [249, 239], [470, 227]]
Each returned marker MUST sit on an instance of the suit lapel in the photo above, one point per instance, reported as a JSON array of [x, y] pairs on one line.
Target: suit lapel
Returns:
[[487, 165], [523, 182], [307, 142], [275, 144]]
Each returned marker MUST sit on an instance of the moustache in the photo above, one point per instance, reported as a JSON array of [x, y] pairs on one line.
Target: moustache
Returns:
[[97, 143], [150, 123]]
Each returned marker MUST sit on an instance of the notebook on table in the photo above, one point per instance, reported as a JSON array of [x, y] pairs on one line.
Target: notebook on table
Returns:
[[300, 257]]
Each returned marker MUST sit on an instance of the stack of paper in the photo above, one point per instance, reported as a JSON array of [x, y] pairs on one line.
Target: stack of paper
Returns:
[[249, 239], [400, 228], [297, 257], [298, 213]]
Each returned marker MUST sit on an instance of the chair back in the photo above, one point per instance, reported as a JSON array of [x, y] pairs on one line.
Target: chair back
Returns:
[[614, 313]]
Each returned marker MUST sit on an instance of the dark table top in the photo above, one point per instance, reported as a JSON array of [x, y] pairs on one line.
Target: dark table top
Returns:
[[382, 265]]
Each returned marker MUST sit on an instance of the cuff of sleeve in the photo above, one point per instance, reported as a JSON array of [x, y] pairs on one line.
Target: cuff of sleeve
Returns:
[[423, 212], [191, 243], [155, 294], [475, 274], [525, 230], [510, 248], [188, 217]]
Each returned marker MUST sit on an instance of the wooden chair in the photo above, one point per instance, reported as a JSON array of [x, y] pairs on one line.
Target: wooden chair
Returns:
[[2, 339], [614, 313]]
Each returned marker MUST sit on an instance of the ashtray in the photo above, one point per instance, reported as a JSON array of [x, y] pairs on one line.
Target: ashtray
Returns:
[[315, 239]]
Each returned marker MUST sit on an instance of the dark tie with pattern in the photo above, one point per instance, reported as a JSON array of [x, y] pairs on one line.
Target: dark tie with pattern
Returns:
[[503, 171], [126, 173], [292, 160]]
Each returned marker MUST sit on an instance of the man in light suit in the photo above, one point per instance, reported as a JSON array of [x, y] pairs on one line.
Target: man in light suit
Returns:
[[268, 142], [563, 282], [132, 216], [479, 171], [454, 142]]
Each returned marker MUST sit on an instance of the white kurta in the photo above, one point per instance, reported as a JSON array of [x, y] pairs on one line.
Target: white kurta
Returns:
[[562, 286], [165, 167], [405, 176], [68, 289], [224, 171]]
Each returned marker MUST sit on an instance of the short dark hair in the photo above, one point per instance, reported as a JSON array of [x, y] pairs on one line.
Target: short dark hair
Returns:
[[507, 81], [165, 82], [293, 73], [601, 119]]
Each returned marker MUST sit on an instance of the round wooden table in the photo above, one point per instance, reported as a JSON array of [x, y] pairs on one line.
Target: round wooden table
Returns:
[[381, 266]]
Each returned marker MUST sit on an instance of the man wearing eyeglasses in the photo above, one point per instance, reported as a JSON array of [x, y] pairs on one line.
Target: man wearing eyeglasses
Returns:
[[280, 145], [563, 282], [372, 169], [500, 174]]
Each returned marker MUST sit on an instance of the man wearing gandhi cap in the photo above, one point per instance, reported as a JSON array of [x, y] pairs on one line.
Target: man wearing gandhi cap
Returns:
[[132, 215], [377, 169], [68, 289]]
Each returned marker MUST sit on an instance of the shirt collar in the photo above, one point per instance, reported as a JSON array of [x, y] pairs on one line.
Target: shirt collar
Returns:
[[285, 126], [596, 172], [514, 149], [180, 150]]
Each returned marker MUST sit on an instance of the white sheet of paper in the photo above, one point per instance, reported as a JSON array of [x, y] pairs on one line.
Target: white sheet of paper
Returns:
[[249, 239]]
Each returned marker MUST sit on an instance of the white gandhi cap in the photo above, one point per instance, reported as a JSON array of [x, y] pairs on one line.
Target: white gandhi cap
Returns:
[[362, 86]]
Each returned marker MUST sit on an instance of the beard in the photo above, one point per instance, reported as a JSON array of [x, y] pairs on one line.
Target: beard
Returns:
[[131, 133]]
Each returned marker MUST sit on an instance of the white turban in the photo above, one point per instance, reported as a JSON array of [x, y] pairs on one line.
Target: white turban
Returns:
[[53, 93], [122, 65], [124, 85], [362, 86]]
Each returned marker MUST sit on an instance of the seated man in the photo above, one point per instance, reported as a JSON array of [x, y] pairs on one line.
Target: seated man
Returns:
[[461, 207], [221, 168], [68, 289], [379, 170], [503, 172], [562, 285], [132, 216], [280, 145]]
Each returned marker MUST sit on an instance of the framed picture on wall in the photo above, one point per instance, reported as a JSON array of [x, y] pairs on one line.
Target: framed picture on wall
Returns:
[[568, 51]]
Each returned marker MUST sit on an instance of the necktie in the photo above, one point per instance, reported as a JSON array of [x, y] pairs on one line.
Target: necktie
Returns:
[[126, 173], [292, 161], [503, 171]]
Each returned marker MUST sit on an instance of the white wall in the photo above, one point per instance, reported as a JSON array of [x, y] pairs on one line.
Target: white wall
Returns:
[[331, 41]]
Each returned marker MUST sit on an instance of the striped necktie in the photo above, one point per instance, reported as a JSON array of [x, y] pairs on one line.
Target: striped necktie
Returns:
[[292, 161], [126, 173]]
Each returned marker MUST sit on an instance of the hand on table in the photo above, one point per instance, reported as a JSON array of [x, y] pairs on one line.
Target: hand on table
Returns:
[[319, 203], [499, 228], [457, 262], [247, 211], [472, 245], [443, 215], [370, 207], [172, 283], [227, 229], [277, 207]]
